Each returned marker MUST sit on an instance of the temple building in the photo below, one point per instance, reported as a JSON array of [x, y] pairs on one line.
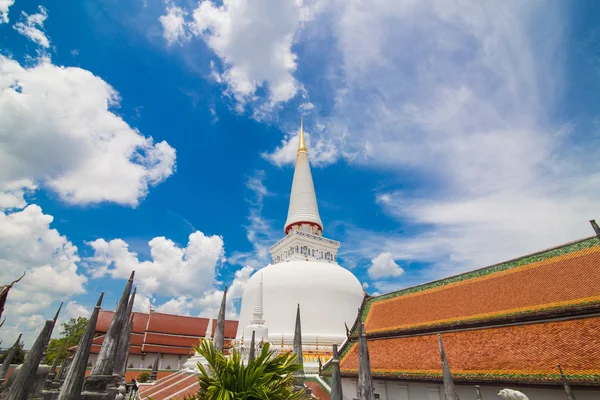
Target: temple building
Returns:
[[508, 325], [304, 271], [173, 336]]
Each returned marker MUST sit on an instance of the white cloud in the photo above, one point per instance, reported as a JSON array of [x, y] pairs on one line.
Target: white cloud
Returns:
[[459, 100], [4, 6], [186, 274], [32, 26], [174, 25], [12, 194], [178, 306], [384, 266], [71, 309], [27, 242], [474, 231], [322, 153], [260, 231], [172, 271], [69, 140], [210, 302], [142, 303], [253, 40]]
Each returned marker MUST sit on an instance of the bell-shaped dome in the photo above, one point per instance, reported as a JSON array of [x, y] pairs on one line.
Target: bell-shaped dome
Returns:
[[329, 297]]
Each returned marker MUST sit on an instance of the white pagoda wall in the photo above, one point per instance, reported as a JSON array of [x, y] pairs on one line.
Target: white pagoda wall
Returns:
[[398, 390]]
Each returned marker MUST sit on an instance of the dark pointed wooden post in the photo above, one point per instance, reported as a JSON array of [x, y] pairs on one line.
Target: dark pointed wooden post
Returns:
[[298, 342], [75, 375], [60, 377], [595, 227], [64, 367], [336, 377], [219, 338], [9, 357], [124, 341], [479, 397], [449, 388], [24, 381], [2, 323], [251, 355], [570, 395], [154, 373], [4, 293], [52, 372], [365, 379], [102, 382]]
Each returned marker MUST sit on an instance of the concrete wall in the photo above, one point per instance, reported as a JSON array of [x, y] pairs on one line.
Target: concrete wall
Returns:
[[398, 390]]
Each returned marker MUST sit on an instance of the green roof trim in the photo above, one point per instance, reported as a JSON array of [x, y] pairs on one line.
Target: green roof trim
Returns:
[[544, 255], [524, 377]]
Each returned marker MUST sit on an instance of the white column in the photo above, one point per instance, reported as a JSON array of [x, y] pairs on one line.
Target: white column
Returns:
[[433, 392], [381, 389], [403, 391]]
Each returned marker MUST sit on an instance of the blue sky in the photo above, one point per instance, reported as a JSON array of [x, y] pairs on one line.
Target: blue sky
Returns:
[[160, 136]]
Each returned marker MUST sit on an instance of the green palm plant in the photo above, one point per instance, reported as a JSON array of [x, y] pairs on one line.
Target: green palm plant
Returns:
[[267, 377]]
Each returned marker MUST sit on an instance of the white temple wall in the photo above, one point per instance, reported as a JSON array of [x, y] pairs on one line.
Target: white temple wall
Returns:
[[174, 361], [401, 390]]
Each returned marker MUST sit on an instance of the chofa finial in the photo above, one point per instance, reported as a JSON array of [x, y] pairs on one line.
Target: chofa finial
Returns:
[[596, 227]]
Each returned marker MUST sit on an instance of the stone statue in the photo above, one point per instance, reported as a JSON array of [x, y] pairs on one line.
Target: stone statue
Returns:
[[509, 394]]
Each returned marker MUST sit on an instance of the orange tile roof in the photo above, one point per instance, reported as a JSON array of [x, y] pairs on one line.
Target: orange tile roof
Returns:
[[564, 277], [133, 374], [520, 353]]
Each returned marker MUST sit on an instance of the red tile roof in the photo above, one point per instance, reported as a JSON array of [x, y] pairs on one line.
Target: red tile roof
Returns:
[[104, 319], [164, 333], [139, 322], [137, 339], [518, 353], [171, 387], [151, 348], [230, 328], [146, 390], [177, 324], [171, 340], [317, 390]]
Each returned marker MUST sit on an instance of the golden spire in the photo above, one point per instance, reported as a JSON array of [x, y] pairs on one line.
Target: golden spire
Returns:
[[301, 144]]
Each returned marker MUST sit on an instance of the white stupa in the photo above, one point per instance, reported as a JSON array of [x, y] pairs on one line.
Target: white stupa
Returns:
[[304, 271]]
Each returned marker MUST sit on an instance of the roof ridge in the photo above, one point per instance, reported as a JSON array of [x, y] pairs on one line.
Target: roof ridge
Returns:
[[512, 260]]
